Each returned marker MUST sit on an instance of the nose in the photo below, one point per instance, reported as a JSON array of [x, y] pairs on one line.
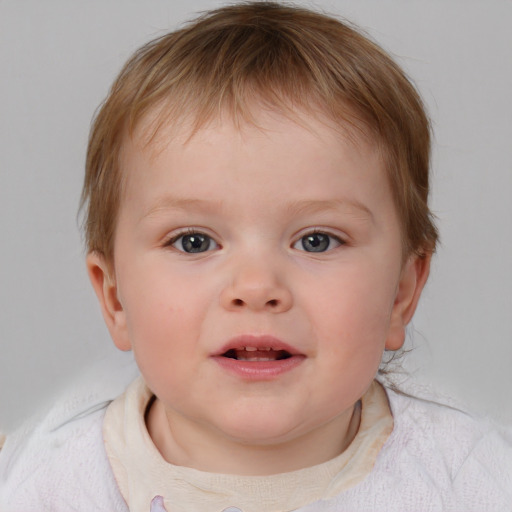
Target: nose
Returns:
[[255, 286]]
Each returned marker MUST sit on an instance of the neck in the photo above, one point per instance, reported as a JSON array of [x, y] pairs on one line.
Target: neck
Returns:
[[186, 443]]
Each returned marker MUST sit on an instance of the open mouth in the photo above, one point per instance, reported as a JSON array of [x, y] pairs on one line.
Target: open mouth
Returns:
[[256, 354], [258, 357]]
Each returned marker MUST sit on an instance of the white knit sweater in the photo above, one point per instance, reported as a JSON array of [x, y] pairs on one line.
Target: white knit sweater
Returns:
[[436, 459]]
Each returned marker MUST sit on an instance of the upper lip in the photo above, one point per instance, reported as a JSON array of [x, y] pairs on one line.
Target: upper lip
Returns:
[[258, 342]]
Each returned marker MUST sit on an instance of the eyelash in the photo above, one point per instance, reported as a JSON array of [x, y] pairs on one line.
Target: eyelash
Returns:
[[330, 239], [204, 242], [190, 232]]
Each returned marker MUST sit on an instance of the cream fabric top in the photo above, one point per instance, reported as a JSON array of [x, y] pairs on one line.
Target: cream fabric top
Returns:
[[437, 459], [142, 473]]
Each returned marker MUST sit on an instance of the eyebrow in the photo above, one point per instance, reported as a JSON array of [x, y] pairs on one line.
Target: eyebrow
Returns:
[[295, 208], [317, 206], [178, 203]]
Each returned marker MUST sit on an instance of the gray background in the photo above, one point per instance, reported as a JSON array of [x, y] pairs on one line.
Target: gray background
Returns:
[[57, 60]]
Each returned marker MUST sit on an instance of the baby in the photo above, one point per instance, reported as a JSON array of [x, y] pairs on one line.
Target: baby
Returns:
[[258, 234]]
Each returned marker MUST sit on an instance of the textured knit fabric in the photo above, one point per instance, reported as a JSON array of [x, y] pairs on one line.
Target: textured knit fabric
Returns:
[[142, 473], [56, 462], [59, 466], [436, 459]]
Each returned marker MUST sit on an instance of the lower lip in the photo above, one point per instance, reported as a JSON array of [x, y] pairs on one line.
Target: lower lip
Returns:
[[259, 370]]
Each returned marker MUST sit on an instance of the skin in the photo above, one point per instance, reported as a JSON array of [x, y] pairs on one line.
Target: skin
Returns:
[[256, 192]]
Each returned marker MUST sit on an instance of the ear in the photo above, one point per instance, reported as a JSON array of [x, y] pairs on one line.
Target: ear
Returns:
[[103, 281], [412, 280]]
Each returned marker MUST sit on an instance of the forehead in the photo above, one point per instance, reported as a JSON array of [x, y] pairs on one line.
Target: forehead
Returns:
[[157, 130], [290, 160]]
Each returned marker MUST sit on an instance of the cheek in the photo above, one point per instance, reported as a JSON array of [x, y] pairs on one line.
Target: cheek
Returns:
[[165, 314], [164, 342], [154, 315], [354, 310]]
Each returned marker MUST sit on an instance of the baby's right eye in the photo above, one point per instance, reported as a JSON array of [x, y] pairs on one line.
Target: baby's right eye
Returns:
[[193, 242]]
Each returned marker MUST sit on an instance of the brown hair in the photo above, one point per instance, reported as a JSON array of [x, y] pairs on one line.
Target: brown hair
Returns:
[[282, 57]]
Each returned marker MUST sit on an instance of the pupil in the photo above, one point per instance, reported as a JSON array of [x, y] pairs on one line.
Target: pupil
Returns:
[[317, 242], [195, 243]]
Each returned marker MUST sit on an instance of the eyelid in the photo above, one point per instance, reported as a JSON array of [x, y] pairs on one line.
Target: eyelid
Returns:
[[171, 239], [340, 238]]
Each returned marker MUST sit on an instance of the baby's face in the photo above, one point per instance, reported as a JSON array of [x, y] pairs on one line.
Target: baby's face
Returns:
[[258, 275]]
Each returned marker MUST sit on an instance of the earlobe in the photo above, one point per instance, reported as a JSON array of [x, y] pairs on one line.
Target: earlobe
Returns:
[[104, 283], [413, 277]]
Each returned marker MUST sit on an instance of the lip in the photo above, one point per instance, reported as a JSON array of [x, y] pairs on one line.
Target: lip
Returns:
[[258, 370], [257, 341]]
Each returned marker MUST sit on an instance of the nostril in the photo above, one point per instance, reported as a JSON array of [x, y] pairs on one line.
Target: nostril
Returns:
[[271, 303]]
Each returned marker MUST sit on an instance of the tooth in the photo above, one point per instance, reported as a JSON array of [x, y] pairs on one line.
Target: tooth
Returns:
[[250, 349], [255, 359]]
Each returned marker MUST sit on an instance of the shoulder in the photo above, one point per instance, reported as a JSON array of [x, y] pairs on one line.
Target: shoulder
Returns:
[[59, 464], [465, 460], [437, 459], [458, 435]]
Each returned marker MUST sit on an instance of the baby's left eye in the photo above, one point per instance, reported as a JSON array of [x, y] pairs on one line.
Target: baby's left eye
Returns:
[[317, 242], [193, 242]]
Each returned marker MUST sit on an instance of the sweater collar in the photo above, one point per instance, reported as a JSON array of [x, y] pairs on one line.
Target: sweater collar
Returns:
[[148, 482]]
